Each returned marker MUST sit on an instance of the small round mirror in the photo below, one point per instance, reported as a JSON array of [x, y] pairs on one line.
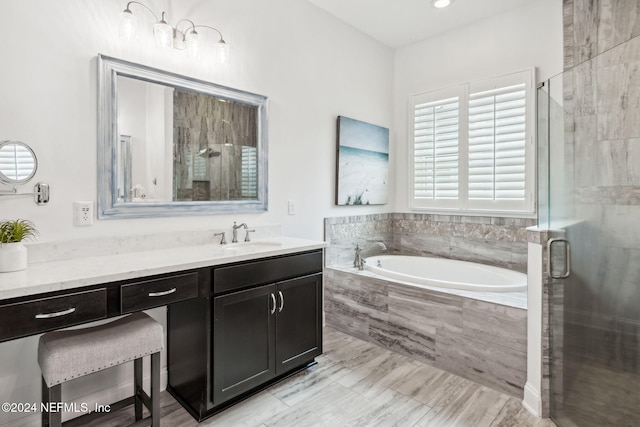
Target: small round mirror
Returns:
[[18, 162]]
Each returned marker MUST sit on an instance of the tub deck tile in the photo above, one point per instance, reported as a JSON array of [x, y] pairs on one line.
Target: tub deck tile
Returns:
[[404, 340], [496, 324], [482, 341]]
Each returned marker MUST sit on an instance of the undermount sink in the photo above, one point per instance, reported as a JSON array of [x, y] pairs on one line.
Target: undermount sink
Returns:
[[249, 246], [260, 243]]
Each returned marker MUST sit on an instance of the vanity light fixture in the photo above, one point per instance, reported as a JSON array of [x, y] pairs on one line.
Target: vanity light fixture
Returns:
[[440, 4], [167, 36]]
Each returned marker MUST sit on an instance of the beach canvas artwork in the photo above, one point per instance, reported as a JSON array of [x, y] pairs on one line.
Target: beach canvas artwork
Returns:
[[363, 163]]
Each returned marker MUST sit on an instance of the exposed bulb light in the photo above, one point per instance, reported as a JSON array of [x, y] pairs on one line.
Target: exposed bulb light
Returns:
[[128, 25], [191, 42], [441, 3], [168, 36], [223, 51], [163, 33]]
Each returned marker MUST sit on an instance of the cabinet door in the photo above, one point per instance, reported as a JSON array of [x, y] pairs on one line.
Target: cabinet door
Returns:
[[243, 341], [299, 322]]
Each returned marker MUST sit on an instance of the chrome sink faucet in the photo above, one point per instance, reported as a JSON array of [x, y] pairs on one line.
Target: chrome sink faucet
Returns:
[[359, 262], [235, 232]]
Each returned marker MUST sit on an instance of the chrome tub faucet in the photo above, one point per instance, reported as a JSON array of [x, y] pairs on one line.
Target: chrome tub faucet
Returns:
[[359, 262]]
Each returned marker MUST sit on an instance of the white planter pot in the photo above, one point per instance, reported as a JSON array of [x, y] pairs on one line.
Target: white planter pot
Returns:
[[13, 257]]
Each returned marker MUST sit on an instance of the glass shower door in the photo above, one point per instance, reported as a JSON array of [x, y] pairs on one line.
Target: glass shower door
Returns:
[[586, 193]]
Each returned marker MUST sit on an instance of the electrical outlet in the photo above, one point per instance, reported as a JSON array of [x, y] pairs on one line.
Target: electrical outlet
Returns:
[[82, 213], [292, 207]]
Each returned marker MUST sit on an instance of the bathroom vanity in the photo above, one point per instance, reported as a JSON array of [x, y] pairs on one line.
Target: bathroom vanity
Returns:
[[239, 318], [262, 322]]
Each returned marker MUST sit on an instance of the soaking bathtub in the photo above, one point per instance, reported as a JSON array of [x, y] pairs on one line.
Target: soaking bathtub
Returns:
[[447, 273]]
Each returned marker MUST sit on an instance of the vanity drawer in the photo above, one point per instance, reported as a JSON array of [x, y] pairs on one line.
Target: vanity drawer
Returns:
[[266, 271], [44, 314], [155, 293]]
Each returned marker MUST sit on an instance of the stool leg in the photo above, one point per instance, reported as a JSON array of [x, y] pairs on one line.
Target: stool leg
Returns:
[[137, 387], [155, 389], [49, 395], [45, 401]]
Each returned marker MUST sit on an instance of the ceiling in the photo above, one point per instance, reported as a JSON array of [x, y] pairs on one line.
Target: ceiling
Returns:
[[397, 23]]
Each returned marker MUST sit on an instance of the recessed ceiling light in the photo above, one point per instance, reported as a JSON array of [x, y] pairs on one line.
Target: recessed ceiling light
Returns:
[[441, 3]]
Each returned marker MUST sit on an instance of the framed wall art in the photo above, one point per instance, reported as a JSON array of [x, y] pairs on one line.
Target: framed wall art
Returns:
[[362, 163]]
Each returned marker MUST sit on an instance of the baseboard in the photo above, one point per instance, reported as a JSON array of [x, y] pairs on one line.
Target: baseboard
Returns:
[[532, 400], [113, 394]]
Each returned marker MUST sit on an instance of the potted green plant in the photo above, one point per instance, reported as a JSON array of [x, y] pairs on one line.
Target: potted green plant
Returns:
[[13, 254]]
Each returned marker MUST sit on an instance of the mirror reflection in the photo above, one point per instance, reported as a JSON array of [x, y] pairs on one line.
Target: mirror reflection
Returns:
[[181, 145], [173, 145], [18, 162]]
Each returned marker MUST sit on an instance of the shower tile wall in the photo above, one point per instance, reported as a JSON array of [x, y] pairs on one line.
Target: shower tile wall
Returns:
[[598, 308], [604, 100], [488, 240]]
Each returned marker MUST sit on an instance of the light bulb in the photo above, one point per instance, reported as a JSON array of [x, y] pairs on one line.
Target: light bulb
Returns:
[[163, 34], [128, 25], [222, 51], [191, 39], [441, 3]]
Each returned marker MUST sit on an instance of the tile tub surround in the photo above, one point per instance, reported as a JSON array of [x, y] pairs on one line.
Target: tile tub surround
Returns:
[[478, 340], [488, 240]]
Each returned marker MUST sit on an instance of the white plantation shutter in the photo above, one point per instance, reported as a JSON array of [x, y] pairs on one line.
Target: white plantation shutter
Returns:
[[249, 173], [472, 151], [436, 151], [497, 141]]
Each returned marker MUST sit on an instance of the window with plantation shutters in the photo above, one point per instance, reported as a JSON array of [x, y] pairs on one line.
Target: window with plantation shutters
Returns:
[[436, 152], [472, 147]]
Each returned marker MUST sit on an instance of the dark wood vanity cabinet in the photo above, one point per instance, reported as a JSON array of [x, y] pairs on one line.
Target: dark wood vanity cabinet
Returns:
[[264, 332], [262, 322]]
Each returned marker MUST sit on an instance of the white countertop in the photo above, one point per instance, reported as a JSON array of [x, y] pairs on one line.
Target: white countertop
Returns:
[[75, 273]]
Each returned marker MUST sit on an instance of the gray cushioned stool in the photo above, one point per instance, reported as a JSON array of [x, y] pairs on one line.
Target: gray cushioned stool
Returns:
[[64, 355]]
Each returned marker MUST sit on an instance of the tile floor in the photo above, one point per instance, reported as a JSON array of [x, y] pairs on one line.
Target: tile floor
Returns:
[[356, 383]]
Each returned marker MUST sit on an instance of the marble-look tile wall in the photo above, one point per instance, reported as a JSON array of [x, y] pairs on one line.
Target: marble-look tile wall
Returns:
[[601, 299], [481, 341], [594, 315], [344, 233], [488, 240]]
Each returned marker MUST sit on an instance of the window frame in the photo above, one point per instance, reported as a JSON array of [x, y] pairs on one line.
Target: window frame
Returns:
[[462, 205]]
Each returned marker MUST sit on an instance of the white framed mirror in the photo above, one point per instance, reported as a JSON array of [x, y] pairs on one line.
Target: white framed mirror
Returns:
[[173, 145]]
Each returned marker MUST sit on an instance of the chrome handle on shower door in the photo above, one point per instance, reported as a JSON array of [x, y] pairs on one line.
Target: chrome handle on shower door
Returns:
[[567, 257]]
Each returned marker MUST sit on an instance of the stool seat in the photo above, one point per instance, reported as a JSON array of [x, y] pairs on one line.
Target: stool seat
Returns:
[[68, 354], [64, 355]]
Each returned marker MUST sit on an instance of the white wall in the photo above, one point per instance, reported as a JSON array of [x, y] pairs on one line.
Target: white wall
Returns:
[[310, 65], [527, 37]]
